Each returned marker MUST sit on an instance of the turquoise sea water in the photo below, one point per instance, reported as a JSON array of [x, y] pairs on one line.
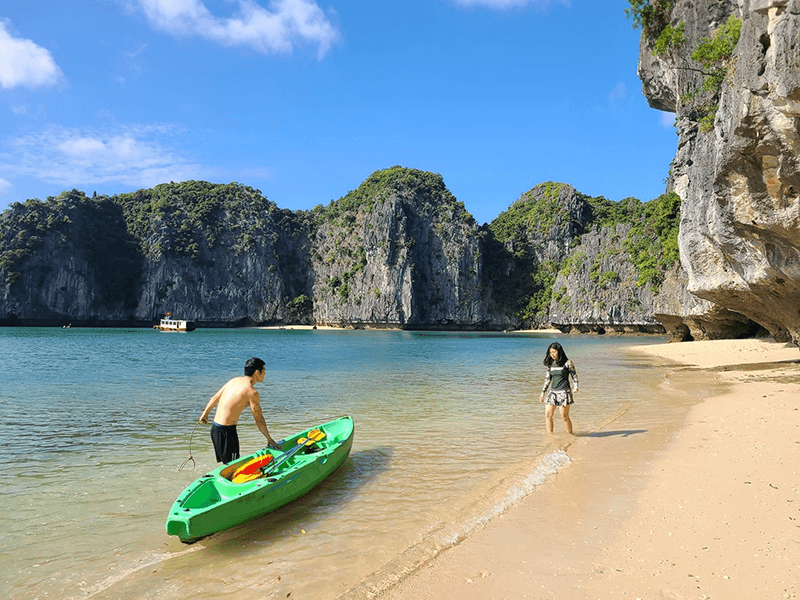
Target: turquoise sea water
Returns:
[[449, 433]]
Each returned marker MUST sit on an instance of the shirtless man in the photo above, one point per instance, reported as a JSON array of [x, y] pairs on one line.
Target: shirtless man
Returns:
[[231, 400]]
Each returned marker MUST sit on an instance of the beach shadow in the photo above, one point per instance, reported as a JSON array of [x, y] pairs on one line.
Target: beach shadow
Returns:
[[329, 498], [755, 366], [620, 433], [761, 366]]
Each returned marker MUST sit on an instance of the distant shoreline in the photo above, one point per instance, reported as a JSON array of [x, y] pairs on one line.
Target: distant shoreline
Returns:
[[365, 327], [77, 324], [369, 328]]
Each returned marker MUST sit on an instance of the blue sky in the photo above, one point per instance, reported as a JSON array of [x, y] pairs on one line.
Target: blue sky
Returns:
[[304, 99]]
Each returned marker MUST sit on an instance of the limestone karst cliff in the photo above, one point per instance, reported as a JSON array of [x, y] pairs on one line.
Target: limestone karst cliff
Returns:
[[399, 251], [208, 253], [736, 168]]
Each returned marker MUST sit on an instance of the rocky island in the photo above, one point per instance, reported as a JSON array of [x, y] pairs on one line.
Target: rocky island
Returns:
[[399, 251]]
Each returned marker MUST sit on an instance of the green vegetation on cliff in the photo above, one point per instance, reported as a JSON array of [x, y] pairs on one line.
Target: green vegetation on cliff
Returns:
[[651, 15], [714, 55], [652, 241], [523, 271], [531, 217], [183, 218], [91, 228], [383, 183], [515, 247], [23, 226]]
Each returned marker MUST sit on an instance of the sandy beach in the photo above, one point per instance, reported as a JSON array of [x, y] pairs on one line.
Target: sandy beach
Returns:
[[706, 509]]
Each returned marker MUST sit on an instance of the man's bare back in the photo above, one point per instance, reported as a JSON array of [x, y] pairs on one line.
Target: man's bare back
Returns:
[[231, 400], [234, 396]]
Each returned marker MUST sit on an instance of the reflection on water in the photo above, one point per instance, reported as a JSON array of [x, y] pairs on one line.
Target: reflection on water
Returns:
[[449, 432]]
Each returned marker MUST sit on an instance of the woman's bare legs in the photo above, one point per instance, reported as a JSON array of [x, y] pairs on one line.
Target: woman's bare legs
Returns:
[[549, 411], [564, 415]]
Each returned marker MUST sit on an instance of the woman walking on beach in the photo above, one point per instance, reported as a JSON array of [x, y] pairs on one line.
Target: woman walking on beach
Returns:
[[562, 379]]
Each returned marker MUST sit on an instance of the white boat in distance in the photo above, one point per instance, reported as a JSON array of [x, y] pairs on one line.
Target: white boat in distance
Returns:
[[168, 324]]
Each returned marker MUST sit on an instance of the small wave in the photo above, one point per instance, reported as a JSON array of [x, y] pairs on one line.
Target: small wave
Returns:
[[550, 464], [505, 496], [123, 573]]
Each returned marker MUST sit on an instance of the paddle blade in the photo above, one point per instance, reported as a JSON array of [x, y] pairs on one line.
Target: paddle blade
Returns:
[[315, 436], [311, 437]]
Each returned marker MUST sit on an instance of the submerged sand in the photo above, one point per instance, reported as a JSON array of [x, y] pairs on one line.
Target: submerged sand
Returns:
[[709, 509]]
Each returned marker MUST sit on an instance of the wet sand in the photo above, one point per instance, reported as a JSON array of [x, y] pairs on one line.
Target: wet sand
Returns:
[[706, 509]]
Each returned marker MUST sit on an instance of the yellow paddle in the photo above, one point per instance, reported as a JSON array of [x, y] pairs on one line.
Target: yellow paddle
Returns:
[[314, 436]]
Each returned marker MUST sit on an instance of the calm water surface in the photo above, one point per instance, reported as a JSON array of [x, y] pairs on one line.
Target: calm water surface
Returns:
[[449, 433]]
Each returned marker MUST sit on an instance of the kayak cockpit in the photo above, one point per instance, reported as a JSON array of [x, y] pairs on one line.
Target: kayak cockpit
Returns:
[[205, 494]]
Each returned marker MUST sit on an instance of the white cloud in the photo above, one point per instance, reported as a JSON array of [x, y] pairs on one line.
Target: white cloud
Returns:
[[24, 64], [667, 120], [133, 156], [620, 92], [506, 4], [5, 185], [276, 29]]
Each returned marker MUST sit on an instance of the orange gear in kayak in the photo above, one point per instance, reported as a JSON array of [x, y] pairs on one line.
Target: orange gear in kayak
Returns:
[[251, 467]]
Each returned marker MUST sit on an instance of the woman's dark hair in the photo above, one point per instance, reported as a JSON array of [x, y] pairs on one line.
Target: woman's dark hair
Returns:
[[562, 356], [252, 365]]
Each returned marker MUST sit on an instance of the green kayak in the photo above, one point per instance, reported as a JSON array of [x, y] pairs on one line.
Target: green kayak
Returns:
[[261, 482]]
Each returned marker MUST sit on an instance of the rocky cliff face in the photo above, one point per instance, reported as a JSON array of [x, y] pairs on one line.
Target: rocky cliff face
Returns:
[[591, 265], [252, 272], [739, 178], [599, 290], [525, 246], [131, 259], [587, 292], [71, 258], [399, 251]]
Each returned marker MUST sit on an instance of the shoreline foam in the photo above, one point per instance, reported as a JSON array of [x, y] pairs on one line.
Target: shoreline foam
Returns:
[[495, 503], [709, 509]]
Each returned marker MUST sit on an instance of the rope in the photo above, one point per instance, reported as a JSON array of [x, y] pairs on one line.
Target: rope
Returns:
[[190, 459]]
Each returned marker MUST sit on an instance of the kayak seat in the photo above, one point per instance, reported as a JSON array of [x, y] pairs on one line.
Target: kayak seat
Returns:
[[251, 469], [250, 465]]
